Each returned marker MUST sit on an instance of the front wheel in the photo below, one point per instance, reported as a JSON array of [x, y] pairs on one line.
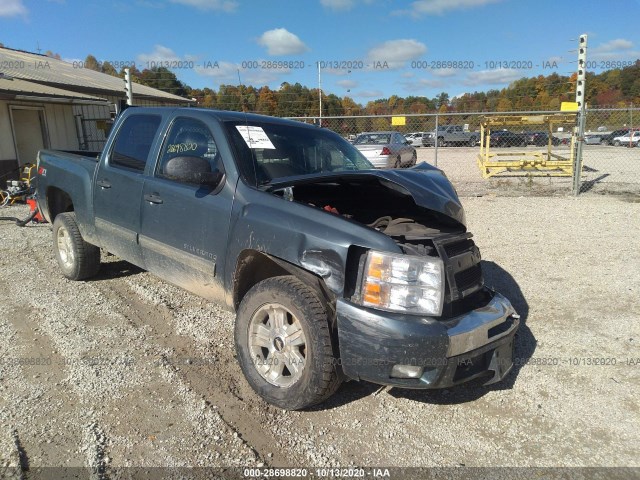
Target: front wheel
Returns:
[[284, 345], [77, 259], [616, 143], [441, 142], [473, 141]]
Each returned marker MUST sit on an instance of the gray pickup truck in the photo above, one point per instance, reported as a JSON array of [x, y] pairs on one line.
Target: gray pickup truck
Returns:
[[335, 270], [450, 135]]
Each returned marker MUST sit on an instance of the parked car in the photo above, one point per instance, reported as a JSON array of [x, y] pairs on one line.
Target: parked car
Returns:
[[428, 139], [451, 135], [415, 138], [608, 138], [334, 269], [593, 139], [386, 149], [541, 139], [627, 139], [505, 138]]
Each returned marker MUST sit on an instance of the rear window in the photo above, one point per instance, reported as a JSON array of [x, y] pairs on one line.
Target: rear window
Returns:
[[373, 139], [133, 143]]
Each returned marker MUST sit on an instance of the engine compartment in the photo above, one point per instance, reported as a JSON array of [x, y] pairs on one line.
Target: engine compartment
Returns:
[[391, 209], [376, 203]]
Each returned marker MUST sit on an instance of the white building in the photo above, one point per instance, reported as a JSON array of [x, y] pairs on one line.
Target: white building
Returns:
[[49, 103]]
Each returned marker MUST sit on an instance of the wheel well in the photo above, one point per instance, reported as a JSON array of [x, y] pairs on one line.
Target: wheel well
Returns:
[[253, 267], [58, 201]]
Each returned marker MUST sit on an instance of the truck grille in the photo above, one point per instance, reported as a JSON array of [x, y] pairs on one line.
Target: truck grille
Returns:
[[469, 278], [454, 249], [461, 258]]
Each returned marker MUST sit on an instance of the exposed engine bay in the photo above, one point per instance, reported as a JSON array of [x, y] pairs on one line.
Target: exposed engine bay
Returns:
[[391, 209]]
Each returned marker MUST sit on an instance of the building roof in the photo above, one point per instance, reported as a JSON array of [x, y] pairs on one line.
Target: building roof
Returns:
[[50, 71], [14, 87]]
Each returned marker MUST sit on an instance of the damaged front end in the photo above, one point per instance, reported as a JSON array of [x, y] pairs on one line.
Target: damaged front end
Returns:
[[418, 317]]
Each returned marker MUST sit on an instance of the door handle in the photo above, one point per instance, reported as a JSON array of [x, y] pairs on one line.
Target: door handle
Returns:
[[103, 184], [153, 198]]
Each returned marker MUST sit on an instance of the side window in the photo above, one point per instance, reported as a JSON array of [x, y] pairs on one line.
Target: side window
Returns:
[[191, 139], [133, 143]]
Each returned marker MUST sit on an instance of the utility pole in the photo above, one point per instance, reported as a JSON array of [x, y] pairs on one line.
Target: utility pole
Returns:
[[580, 100], [319, 96], [127, 86]]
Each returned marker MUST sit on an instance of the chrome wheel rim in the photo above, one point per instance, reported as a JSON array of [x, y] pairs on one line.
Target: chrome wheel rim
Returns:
[[65, 248], [277, 344]]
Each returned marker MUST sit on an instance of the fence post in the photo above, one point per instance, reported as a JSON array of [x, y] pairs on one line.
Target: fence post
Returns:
[[582, 110], [435, 143]]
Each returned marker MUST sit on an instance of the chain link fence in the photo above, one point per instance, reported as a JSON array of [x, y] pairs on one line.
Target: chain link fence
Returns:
[[516, 153]]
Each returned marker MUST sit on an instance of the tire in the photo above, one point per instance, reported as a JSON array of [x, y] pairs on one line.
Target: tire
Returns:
[[77, 259], [414, 159], [473, 141], [604, 143], [268, 358], [398, 162], [440, 141], [616, 143]]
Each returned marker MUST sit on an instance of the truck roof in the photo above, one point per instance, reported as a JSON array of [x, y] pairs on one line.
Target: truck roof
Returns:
[[223, 115]]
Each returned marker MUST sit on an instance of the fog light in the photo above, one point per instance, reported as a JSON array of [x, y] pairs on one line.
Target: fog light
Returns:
[[406, 371]]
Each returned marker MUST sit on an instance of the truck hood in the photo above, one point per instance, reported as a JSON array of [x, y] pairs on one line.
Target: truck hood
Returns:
[[427, 185]]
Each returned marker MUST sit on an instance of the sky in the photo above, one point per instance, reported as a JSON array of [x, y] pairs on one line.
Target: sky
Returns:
[[365, 49]]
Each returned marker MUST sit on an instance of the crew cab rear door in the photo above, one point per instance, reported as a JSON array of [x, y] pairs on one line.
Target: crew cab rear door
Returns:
[[117, 192], [185, 225]]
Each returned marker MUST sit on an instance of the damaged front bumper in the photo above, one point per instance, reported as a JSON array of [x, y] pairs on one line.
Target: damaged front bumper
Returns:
[[422, 352]]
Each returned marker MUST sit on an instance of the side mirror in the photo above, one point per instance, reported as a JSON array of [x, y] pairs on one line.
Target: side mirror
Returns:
[[190, 169]]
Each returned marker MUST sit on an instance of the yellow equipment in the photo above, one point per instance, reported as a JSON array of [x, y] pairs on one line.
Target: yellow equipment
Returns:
[[19, 190], [525, 162]]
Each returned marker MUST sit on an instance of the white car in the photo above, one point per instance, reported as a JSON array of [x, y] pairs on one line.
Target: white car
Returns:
[[626, 139], [415, 138]]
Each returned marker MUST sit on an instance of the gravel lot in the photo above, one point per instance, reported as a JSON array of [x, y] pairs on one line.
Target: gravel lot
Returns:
[[127, 370]]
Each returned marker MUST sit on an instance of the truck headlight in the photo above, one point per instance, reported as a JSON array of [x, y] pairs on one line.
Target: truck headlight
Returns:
[[403, 283]]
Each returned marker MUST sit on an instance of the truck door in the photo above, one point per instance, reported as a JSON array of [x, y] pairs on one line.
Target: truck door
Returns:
[[457, 135], [118, 189], [184, 225]]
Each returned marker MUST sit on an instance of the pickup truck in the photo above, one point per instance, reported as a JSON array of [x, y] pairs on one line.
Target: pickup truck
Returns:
[[450, 135], [335, 270]]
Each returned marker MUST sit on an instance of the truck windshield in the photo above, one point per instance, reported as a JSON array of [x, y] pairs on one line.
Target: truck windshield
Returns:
[[267, 151]]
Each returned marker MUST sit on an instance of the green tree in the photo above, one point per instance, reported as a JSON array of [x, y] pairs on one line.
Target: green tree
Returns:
[[91, 63], [163, 79]]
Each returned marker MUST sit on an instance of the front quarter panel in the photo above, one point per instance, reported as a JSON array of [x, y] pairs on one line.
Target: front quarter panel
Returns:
[[302, 235]]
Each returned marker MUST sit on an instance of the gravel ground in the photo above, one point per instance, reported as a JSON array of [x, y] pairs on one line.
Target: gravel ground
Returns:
[[127, 370]]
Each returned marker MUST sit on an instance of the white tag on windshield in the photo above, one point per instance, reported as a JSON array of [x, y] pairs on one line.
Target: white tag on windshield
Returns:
[[255, 137]]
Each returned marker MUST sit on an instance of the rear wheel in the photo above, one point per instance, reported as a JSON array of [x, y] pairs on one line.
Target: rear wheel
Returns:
[[616, 143], [473, 141], [414, 159], [284, 344], [441, 142], [77, 259], [398, 163]]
